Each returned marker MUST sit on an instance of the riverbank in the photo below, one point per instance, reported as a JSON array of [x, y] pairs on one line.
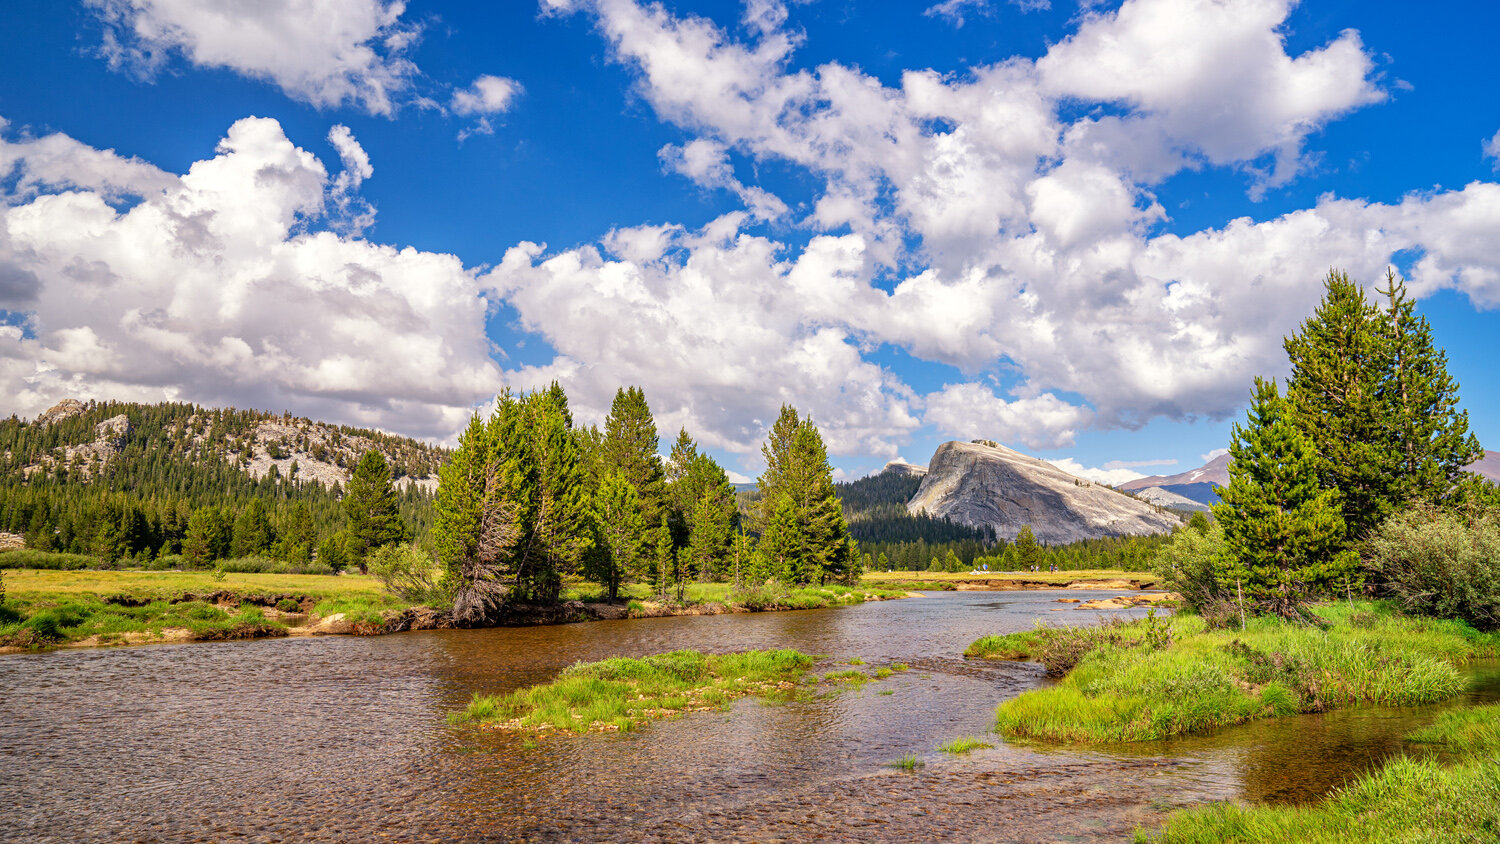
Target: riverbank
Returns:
[[1160, 677], [1409, 799], [86, 608], [1009, 581]]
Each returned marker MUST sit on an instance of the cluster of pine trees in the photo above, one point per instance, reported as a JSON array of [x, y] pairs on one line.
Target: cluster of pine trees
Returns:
[[529, 498], [1124, 553], [1368, 425]]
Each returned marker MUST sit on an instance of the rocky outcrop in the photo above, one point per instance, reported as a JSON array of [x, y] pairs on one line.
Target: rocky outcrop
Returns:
[[60, 411], [979, 484], [901, 467]]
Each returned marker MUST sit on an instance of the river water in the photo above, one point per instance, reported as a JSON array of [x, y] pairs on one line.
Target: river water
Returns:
[[344, 739]]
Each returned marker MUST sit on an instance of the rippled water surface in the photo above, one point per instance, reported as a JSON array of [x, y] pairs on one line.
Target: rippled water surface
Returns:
[[343, 738]]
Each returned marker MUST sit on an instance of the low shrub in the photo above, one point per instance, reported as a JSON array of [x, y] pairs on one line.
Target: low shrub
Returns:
[[409, 574], [1441, 564], [26, 558], [1190, 565]]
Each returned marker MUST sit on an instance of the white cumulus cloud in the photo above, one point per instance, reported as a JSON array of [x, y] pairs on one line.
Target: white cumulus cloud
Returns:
[[217, 288], [323, 53]]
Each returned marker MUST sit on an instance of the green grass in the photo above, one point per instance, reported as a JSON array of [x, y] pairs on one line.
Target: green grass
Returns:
[[56, 606], [857, 678], [963, 745], [1152, 679], [899, 666], [1473, 731], [910, 762], [1409, 800], [621, 693], [1021, 645]]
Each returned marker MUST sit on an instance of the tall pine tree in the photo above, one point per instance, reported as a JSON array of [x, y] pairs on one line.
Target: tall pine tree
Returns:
[[798, 482], [1283, 531], [370, 505]]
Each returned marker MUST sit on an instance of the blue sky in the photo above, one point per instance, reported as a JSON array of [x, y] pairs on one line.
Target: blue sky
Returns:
[[1077, 229]]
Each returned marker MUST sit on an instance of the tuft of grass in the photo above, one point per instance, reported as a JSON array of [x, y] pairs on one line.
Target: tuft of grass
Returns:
[[621, 693], [963, 745], [1473, 731], [1021, 645], [854, 661], [910, 762], [899, 666], [886, 692], [882, 673], [851, 676], [1407, 800], [1124, 689]]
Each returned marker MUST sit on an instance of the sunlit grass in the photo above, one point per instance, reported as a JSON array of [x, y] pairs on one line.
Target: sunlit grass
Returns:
[[1124, 689], [963, 745], [1473, 731], [909, 763], [621, 693], [1408, 800]]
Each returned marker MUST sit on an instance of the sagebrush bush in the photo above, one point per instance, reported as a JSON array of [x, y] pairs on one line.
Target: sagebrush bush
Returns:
[[1441, 564]]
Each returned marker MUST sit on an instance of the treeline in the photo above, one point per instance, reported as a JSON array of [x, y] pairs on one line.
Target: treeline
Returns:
[[1367, 435], [1125, 553], [529, 498], [875, 508]]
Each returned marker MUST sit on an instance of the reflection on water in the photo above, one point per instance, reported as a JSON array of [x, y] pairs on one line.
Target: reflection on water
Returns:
[[343, 739]]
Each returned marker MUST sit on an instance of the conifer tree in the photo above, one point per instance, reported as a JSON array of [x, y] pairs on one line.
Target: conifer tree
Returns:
[[629, 446], [798, 477], [370, 505], [1334, 394], [1283, 531], [1429, 442], [559, 531], [622, 533], [1027, 552], [252, 530], [663, 557]]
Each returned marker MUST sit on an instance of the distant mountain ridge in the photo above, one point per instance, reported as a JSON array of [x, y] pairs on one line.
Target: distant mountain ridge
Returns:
[[77, 440], [984, 484], [1198, 484]]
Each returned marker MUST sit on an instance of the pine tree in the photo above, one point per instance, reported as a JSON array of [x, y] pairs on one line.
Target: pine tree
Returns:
[[1429, 442], [663, 557], [252, 530], [559, 531], [1028, 553], [1283, 531], [370, 505], [1334, 395], [629, 447], [201, 544], [798, 476], [622, 533]]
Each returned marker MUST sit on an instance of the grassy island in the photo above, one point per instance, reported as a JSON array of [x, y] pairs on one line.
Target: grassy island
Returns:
[[621, 693], [1159, 677]]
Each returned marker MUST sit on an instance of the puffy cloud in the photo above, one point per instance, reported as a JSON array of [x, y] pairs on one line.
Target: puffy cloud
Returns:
[[970, 410], [327, 54], [1491, 149], [1211, 77], [1106, 475], [1218, 452], [709, 324], [487, 95], [1027, 234], [56, 162], [706, 163], [217, 289]]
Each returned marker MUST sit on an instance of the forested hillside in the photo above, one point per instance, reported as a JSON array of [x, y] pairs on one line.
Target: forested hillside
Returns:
[[125, 481]]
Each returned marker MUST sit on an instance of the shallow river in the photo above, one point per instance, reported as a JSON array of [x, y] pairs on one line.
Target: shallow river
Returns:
[[344, 739]]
